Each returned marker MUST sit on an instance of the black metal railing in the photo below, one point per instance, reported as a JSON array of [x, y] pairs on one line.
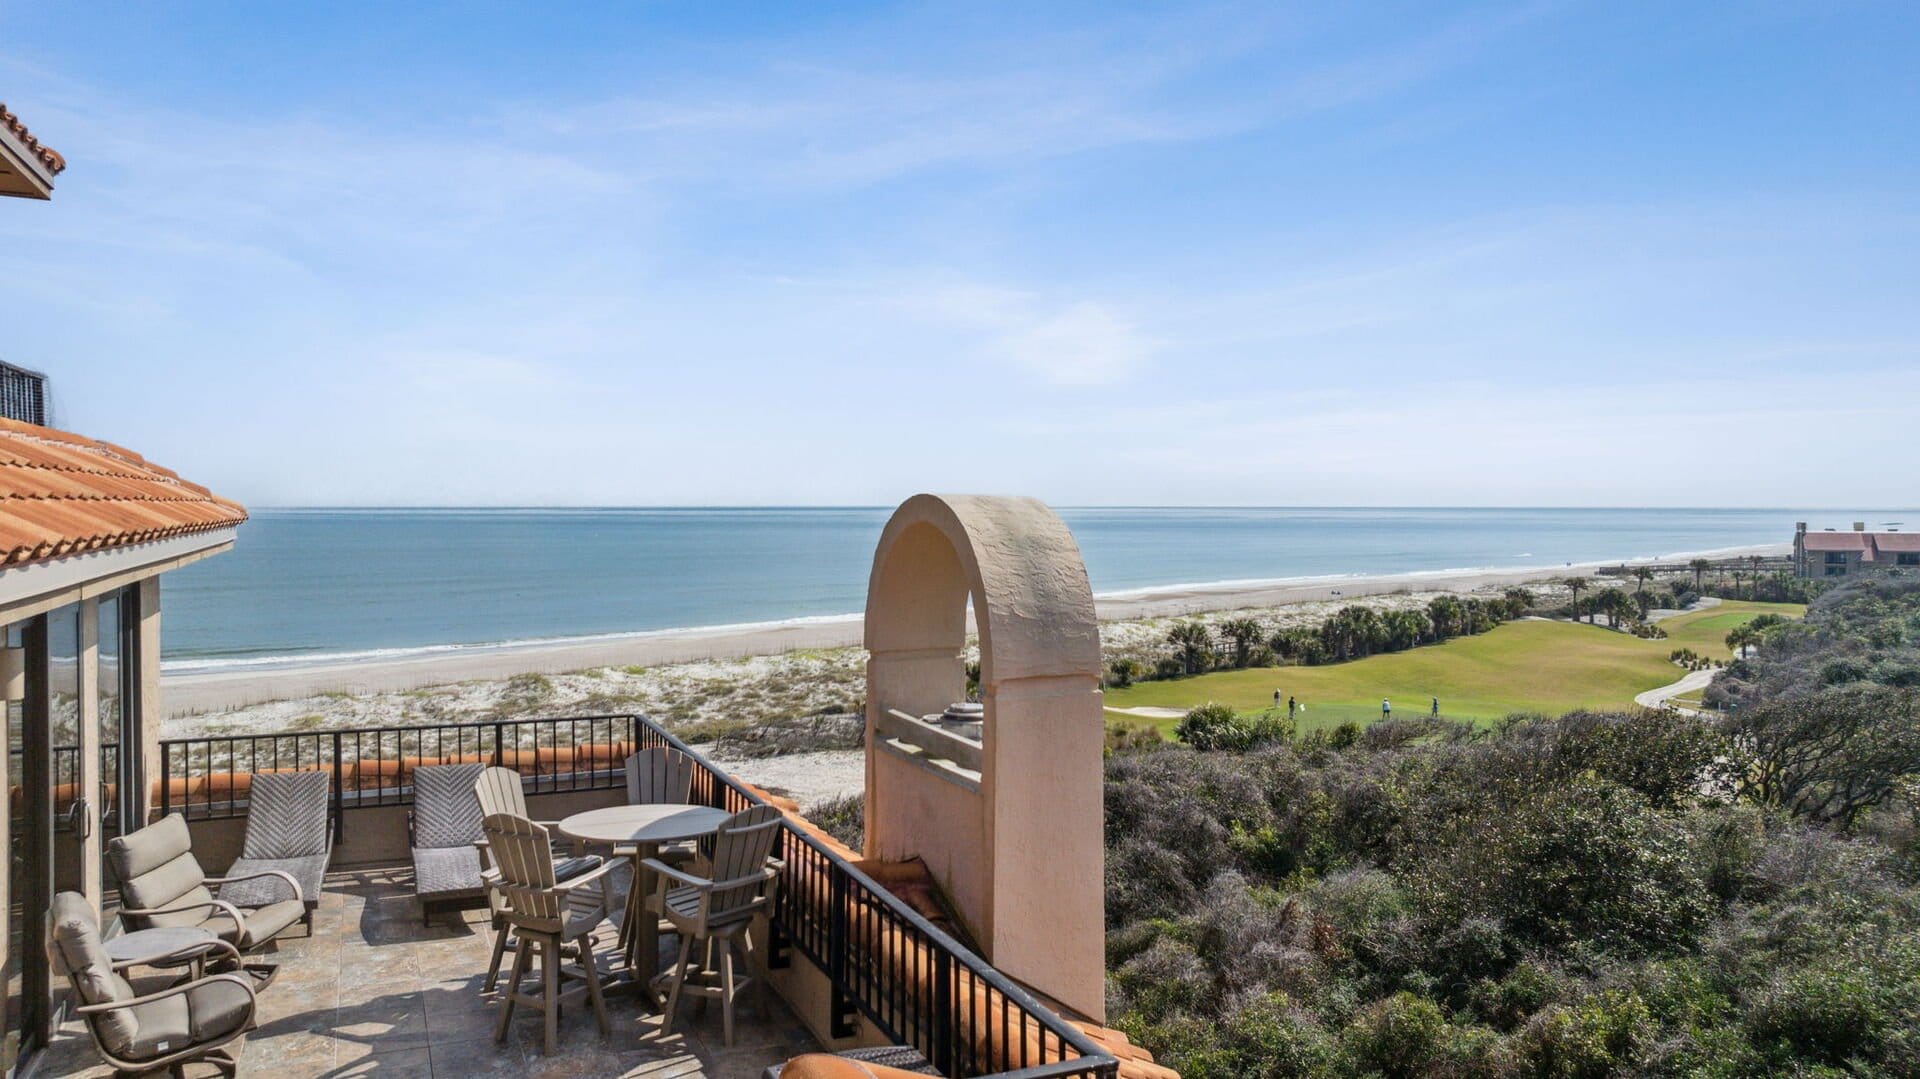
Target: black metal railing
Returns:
[[208, 778], [914, 982]]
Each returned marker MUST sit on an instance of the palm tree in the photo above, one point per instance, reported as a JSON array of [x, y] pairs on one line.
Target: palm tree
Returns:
[[1641, 575], [1700, 566], [1242, 632], [1754, 589], [1577, 585], [1193, 645], [1738, 576], [1741, 638]]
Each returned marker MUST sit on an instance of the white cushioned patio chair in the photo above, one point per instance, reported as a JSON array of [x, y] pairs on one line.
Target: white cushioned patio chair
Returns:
[[163, 886], [287, 832], [188, 1022], [553, 919], [718, 910]]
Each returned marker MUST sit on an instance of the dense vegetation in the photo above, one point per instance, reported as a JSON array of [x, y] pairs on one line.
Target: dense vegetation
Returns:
[[1352, 632], [1592, 894]]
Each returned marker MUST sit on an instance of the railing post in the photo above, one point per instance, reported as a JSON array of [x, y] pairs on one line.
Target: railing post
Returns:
[[839, 1021], [943, 1024], [499, 745], [339, 795], [166, 784]]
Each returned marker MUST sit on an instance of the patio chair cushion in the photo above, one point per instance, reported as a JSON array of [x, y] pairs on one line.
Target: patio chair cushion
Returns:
[[446, 871], [156, 869], [262, 924], [205, 1013], [77, 952], [310, 871]]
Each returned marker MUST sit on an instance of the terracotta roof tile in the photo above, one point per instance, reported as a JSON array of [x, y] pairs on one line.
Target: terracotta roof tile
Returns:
[[48, 155], [1897, 541], [62, 493], [1837, 541]]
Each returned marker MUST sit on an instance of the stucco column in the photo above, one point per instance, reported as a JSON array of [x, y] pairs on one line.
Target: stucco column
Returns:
[[1020, 849]]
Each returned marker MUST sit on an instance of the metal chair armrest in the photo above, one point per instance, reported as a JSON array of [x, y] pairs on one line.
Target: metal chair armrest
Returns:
[[231, 911], [182, 955], [171, 991]]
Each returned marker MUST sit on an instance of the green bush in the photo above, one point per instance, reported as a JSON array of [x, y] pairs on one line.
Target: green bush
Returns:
[[1218, 726]]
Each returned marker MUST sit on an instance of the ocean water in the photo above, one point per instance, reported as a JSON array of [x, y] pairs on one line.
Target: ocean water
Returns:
[[318, 582]]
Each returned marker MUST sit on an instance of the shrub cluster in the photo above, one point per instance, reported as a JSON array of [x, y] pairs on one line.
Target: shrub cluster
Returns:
[[1588, 895], [1351, 633]]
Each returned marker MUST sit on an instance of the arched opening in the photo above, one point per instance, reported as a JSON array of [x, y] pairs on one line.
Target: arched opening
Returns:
[[1010, 826]]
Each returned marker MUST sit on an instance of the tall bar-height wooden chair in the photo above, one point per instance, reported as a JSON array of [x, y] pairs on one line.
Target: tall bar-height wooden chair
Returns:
[[718, 909], [546, 915], [500, 792]]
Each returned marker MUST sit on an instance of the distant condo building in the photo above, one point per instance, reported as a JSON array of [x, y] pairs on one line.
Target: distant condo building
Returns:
[[1851, 554]]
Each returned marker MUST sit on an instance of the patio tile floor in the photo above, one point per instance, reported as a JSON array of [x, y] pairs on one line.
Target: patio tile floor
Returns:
[[374, 992]]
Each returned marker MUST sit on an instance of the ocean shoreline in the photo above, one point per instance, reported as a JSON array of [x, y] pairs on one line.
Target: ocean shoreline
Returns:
[[196, 687]]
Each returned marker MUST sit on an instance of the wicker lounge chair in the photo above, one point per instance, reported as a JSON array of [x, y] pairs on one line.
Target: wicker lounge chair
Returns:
[[443, 829], [287, 832]]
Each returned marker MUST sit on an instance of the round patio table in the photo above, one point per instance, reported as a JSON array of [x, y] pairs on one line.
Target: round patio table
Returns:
[[645, 828], [152, 947]]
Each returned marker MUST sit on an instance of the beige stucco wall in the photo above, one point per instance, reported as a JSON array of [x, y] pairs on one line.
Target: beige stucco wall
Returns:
[[1022, 858]]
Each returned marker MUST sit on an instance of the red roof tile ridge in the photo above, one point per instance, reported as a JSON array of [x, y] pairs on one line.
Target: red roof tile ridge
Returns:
[[63, 493], [48, 156]]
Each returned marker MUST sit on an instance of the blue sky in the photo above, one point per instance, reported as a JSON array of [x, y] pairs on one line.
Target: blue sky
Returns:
[[1537, 254]]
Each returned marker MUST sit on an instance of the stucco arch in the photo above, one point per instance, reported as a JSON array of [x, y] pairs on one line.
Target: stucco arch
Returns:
[[1020, 847]]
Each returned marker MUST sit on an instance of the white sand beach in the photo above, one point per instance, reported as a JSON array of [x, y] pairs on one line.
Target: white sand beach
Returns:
[[225, 689]]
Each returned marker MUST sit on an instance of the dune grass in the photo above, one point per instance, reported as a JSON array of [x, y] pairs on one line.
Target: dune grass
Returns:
[[1530, 666]]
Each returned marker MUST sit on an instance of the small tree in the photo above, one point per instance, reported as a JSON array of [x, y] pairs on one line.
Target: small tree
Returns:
[[1641, 575], [1577, 585], [1741, 638], [1243, 632], [1193, 645], [1700, 566], [1831, 756]]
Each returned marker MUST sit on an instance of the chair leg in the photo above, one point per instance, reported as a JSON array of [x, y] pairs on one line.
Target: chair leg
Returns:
[[758, 970], [592, 973], [550, 990], [499, 953], [679, 978], [520, 957], [726, 990]]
